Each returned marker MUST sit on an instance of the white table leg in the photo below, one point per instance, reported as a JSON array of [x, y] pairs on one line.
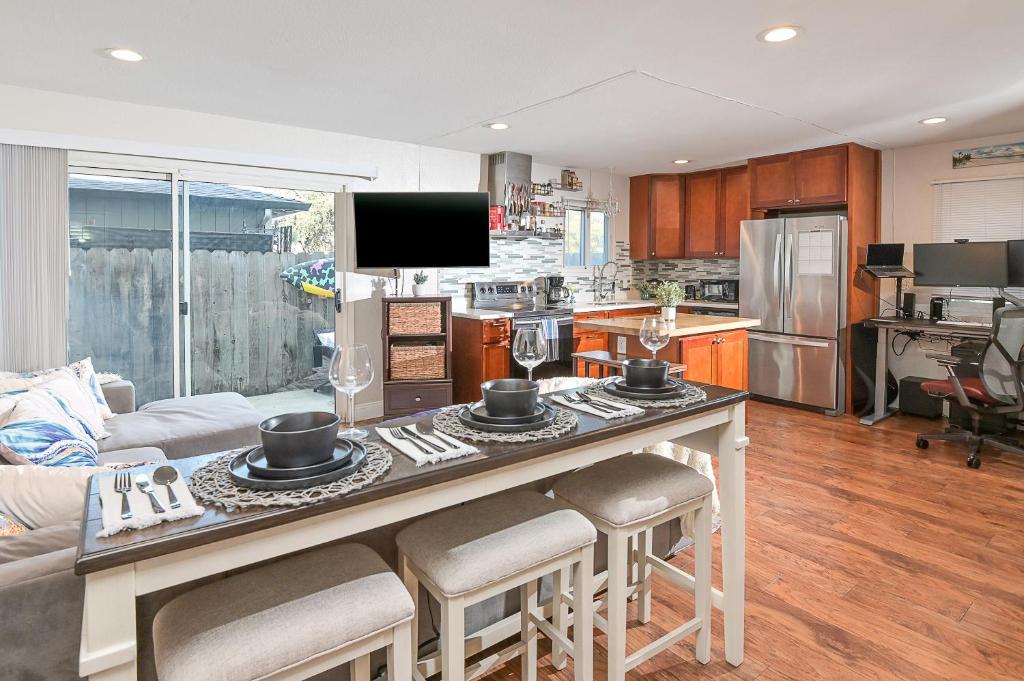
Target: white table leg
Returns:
[[732, 442], [109, 649], [618, 575]]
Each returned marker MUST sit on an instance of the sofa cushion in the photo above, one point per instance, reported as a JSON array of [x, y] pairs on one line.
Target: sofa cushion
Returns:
[[38, 542], [187, 426], [134, 455], [39, 496], [38, 427], [119, 396]]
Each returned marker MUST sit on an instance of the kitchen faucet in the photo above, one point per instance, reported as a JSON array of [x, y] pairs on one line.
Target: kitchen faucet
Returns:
[[599, 292]]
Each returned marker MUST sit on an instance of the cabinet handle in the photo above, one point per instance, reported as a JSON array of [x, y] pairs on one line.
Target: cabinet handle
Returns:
[[796, 200], [419, 399]]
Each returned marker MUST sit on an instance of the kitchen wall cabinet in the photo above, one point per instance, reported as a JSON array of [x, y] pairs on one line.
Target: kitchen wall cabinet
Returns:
[[656, 217], [716, 202], [481, 351], [816, 177], [718, 359]]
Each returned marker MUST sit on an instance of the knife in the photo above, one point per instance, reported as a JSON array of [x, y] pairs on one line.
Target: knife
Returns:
[[415, 434]]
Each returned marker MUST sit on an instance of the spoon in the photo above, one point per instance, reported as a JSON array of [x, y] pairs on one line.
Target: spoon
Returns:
[[165, 475]]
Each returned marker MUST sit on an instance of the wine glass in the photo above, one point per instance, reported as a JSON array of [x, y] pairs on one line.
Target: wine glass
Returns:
[[654, 334], [351, 371], [530, 348]]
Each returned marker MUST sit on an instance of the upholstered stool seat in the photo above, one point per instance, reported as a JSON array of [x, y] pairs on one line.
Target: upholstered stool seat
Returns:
[[289, 619], [466, 554], [626, 498], [628, 489]]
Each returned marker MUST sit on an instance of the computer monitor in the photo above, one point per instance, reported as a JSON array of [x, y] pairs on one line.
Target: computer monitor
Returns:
[[976, 263], [885, 255], [1015, 262]]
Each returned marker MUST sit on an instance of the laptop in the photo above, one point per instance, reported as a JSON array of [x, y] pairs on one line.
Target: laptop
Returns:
[[886, 260]]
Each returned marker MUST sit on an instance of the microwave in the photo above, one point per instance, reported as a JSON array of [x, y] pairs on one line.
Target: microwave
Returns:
[[720, 290]]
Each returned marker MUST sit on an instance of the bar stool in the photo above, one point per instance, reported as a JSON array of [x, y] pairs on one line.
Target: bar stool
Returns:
[[467, 554], [626, 498], [290, 619]]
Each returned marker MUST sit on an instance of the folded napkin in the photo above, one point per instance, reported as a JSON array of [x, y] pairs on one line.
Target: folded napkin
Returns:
[[627, 409], [143, 514], [453, 448]]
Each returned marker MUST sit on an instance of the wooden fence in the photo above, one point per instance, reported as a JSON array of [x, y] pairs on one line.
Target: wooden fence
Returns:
[[251, 332]]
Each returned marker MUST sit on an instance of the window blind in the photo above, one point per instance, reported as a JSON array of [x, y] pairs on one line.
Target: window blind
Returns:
[[980, 210]]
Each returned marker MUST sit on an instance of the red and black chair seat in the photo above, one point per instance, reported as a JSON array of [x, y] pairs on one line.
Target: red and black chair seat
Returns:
[[973, 388]]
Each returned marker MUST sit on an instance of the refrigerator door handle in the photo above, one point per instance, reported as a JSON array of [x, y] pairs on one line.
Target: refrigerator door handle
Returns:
[[789, 271], [787, 340], [777, 270]]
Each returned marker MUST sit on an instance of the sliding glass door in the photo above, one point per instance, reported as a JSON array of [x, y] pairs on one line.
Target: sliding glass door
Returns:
[[258, 279], [188, 287], [121, 287]]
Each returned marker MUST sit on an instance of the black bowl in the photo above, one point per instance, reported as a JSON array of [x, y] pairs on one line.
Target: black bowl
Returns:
[[510, 396], [645, 373], [300, 439]]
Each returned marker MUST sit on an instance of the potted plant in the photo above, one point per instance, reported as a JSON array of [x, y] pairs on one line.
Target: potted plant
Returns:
[[647, 290], [419, 284], [669, 294]]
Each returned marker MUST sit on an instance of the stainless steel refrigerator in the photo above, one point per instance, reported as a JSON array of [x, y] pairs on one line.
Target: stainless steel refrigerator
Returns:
[[793, 278]]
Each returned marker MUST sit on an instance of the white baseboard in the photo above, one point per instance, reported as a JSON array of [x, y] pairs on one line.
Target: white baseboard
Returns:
[[370, 410]]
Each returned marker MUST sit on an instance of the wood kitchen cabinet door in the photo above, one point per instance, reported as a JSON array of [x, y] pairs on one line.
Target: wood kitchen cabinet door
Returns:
[[667, 216], [772, 181], [735, 208], [821, 176], [641, 241], [697, 353], [496, 361], [586, 342], [730, 360], [701, 214]]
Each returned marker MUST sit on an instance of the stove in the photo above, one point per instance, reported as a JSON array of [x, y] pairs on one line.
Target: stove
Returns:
[[520, 300]]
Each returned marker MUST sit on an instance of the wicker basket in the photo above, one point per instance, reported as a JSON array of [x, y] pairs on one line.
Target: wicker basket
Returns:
[[417, 362], [407, 319]]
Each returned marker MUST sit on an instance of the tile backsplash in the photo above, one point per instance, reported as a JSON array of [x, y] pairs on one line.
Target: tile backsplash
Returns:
[[520, 259]]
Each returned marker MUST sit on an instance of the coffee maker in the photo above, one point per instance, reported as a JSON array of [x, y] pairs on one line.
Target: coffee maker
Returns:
[[555, 291]]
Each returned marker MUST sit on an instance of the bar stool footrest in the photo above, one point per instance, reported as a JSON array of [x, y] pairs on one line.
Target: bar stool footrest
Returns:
[[663, 643]]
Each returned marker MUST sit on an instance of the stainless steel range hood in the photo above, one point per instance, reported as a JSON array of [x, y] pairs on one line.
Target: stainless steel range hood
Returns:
[[509, 182]]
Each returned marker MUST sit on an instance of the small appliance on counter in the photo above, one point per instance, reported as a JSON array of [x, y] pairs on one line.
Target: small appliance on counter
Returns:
[[555, 291], [720, 290], [690, 291]]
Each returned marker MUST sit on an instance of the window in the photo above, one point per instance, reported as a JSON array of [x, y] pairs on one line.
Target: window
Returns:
[[978, 210], [587, 238]]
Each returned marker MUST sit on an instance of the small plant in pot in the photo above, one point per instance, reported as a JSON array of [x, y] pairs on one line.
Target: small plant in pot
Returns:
[[419, 284], [669, 294]]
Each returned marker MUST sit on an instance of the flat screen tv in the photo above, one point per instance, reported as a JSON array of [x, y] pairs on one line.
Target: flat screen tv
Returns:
[[421, 229], [976, 263]]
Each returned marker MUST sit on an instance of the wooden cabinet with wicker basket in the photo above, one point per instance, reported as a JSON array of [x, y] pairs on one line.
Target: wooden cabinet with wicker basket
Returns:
[[417, 354]]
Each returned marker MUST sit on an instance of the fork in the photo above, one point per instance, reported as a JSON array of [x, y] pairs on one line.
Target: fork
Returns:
[[598, 403], [575, 398], [399, 434], [122, 485]]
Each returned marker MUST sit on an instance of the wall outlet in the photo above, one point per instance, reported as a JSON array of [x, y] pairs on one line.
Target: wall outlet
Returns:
[[620, 345]]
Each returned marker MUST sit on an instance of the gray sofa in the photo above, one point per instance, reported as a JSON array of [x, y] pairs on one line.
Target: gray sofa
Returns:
[[40, 595]]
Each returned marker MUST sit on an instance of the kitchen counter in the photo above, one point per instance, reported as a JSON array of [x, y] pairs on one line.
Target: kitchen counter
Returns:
[[460, 309], [685, 325]]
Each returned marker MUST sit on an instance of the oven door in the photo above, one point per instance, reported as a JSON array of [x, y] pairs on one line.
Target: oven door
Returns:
[[559, 334]]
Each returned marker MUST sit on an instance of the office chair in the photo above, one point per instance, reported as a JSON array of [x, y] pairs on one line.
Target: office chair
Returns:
[[998, 389]]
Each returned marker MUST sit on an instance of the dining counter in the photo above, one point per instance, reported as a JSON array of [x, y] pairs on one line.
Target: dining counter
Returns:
[[120, 568], [684, 325]]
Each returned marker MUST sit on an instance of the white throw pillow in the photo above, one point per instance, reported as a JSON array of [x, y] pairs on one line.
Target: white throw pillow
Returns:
[[64, 384], [83, 372], [40, 496]]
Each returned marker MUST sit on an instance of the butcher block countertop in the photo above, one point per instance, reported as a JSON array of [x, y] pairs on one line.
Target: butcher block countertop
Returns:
[[685, 325]]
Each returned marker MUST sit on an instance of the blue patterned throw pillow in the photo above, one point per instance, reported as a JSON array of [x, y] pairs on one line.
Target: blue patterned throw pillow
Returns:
[[38, 427]]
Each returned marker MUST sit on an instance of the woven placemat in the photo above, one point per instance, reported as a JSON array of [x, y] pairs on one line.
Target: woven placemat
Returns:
[[447, 421], [691, 395], [212, 483]]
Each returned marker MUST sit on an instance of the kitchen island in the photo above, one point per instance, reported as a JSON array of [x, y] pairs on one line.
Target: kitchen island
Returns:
[[714, 349]]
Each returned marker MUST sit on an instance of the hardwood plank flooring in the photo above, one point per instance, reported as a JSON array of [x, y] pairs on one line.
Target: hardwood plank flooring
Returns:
[[867, 558]]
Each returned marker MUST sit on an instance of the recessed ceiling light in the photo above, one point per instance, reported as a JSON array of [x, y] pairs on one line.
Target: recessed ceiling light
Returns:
[[124, 54], [681, 161], [497, 126], [779, 34], [934, 120]]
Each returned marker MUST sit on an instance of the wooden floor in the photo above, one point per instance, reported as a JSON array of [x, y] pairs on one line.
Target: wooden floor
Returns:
[[866, 559]]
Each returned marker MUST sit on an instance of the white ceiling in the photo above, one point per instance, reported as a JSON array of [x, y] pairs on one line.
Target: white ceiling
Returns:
[[593, 83]]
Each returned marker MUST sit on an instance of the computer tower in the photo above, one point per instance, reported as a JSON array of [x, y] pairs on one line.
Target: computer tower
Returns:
[[909, 303], [915, 401]]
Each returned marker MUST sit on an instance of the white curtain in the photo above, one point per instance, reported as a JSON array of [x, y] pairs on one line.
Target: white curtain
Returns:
[[33, 257]]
